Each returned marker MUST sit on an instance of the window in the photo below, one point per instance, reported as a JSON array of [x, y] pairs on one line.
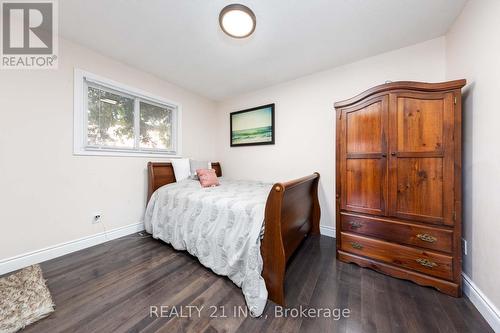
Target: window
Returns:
[[111, 119]]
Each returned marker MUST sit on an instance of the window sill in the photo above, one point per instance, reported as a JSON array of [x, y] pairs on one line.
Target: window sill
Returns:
[[120, 153]]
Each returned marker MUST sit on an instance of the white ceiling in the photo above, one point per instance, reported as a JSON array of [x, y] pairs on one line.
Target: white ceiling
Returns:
[[181, 42]]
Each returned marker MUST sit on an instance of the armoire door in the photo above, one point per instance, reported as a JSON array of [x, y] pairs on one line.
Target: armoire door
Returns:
[[421, 156], [363, 164]]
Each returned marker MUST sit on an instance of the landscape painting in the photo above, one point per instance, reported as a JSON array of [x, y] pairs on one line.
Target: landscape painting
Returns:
[[253, 126]]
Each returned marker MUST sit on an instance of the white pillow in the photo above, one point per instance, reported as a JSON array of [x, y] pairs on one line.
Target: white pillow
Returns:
[[195, 165], [182, 168]]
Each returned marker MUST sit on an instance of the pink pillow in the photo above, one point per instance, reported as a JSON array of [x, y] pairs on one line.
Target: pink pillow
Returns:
[[207, 177]]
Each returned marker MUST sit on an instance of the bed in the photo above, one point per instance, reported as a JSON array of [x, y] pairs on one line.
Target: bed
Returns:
[[289, 211]]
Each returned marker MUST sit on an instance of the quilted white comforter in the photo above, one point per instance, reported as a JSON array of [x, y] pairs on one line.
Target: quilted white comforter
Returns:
[[219, 225]]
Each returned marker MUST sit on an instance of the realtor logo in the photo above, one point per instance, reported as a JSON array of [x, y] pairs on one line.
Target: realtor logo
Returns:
[[29, 34]]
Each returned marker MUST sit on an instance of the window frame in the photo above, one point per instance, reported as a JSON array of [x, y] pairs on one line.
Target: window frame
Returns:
[[82, 80]]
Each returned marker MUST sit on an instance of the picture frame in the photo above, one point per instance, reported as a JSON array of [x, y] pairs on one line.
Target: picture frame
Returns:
[[252, 127]]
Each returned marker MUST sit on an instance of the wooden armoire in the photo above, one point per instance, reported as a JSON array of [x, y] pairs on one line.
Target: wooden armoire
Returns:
[[398, 188]]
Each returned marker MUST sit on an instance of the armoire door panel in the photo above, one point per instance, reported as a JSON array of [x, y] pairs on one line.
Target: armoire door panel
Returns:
[[363, 162], [420, 124], [420, 152], [364, 185], [420, 188], [364, 129]]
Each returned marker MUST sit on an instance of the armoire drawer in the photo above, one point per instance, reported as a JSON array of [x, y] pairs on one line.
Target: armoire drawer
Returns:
[[427, 262], [400, 232]]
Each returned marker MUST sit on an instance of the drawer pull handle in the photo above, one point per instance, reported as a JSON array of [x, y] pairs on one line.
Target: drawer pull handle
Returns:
[[356, 245], [355, 225], [427, 238], [426, 263]]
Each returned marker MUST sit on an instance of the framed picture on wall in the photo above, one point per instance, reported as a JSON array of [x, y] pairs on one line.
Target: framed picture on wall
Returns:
[[253, 126]]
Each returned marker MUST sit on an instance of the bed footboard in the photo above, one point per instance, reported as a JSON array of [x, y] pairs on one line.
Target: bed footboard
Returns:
[[292, 212]]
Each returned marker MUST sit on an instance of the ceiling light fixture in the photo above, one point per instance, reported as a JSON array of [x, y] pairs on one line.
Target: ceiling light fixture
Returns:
[[237, 21]]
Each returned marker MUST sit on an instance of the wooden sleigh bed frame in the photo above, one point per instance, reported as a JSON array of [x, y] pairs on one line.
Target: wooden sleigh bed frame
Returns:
[[292, 212]]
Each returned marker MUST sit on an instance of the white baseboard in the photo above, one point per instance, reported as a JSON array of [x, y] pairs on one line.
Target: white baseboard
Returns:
[[327, 231], [487, 309], [51, 252]]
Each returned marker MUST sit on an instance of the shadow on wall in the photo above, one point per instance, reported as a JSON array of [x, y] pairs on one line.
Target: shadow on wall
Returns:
[[145, 174], [325, 208], [467, 174]]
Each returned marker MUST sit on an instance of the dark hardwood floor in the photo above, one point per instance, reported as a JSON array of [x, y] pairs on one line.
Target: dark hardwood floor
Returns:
[[111, 287]]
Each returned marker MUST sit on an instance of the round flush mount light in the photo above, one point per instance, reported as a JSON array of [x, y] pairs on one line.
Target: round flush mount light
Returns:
[[237, 21]]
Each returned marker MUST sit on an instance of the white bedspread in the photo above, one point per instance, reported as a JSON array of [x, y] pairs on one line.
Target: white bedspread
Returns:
[[219, 225]]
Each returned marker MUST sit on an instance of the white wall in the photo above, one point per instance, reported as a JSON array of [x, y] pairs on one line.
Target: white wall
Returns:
[[47, 195], [473, 52], [305, 117]]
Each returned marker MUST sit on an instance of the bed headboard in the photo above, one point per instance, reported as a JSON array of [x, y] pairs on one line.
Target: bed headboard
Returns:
[[162, 173]]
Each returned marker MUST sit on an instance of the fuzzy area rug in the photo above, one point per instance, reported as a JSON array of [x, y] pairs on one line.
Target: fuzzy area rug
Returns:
[[24, 299]]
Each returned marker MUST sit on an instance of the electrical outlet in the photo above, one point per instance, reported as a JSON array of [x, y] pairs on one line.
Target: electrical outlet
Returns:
[[464, 246], [97, 218]]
